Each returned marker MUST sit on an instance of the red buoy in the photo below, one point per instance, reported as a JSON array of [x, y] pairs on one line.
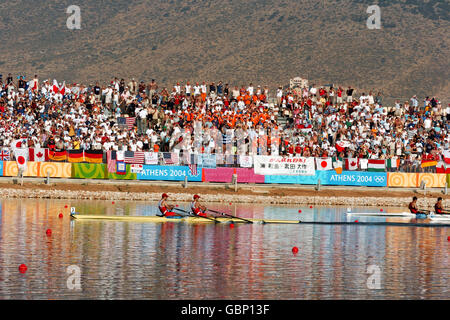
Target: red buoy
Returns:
[[66, 206], [176, 206], [60, 215], [299, 211], [381, 210], [231, 225], [294, 250], [49, 232], [310, 207], [231, 204], [356, 221], [448, 238], [113, 202], [22, 268]]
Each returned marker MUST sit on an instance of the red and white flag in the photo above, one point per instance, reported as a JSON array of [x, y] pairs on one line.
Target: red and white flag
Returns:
[[38, 154], [21, 156], [446, 156], [55, 87], [19, 144], [324, 163], [351, 164], [62, 89]]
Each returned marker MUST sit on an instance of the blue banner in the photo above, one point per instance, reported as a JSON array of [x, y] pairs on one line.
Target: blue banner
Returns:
[[331, 178], [170, 173], [1, 168], [207, 160]]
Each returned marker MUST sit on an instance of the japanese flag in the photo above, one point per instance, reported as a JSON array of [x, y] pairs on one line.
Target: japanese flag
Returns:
[[324, 164], [21, 156]]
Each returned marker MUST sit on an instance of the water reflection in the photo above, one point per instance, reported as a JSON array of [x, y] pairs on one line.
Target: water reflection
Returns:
[[129, 260]]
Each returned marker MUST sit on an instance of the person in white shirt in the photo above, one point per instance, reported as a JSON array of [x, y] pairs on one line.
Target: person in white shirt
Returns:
[[188, 88]]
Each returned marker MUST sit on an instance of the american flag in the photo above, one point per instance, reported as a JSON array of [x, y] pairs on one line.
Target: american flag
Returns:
[[137, 157], [5, 155], [128, 122], [193, 168], [171, 158], [111, 158]]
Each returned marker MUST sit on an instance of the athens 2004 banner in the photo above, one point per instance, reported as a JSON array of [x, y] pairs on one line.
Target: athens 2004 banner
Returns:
[[276, 165]]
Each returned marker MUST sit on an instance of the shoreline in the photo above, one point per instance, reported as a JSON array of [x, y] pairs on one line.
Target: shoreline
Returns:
[[221, 193]]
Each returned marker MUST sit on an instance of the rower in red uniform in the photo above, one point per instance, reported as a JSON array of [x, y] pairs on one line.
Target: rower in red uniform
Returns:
[[165, 208], [438, 206], [198, 209], [413, 206]]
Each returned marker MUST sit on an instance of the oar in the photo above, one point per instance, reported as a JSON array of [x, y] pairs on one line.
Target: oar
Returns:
[[161, 215], [193, 215], [424, 211], [229, 215]]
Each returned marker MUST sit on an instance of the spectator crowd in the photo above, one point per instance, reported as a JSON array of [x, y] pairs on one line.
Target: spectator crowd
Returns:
[[314, 121]]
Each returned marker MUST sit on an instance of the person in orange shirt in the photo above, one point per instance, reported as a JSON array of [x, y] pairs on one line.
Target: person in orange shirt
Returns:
[[156, 148]]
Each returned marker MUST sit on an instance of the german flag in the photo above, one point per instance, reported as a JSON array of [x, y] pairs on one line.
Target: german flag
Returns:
[[93, 156], [57, 155], [428, 163], [75, 156]]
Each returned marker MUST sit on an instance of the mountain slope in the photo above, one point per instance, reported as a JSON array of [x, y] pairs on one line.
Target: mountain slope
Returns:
[[259, 41]]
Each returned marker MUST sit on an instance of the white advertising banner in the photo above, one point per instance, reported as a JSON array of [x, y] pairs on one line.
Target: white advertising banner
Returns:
[[284, 166]]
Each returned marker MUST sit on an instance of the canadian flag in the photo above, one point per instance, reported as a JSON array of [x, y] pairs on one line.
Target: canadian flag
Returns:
[[352, 164], [38, 154], [21, 159], [324, 164]]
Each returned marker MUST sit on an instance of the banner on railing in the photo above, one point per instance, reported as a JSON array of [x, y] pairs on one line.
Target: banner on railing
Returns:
[[276, 165], [170, 173], [206, 160], [331, 178]]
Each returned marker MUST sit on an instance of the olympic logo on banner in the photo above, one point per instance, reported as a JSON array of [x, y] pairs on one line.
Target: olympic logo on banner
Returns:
[[378, 179]]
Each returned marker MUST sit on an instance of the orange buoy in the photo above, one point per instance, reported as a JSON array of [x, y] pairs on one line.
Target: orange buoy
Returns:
[[60, 215], [22, 268], [294, 250], [49, 232]]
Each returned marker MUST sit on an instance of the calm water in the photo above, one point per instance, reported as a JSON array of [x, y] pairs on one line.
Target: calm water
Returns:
[[129, 260]]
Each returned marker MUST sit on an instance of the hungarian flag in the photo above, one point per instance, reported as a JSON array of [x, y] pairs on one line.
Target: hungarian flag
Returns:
[[21, 159], [57, 155], [38, 154], [93, 156], [324, 164], [351, 164], [376, 165], [443, 167], [75, 156]]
